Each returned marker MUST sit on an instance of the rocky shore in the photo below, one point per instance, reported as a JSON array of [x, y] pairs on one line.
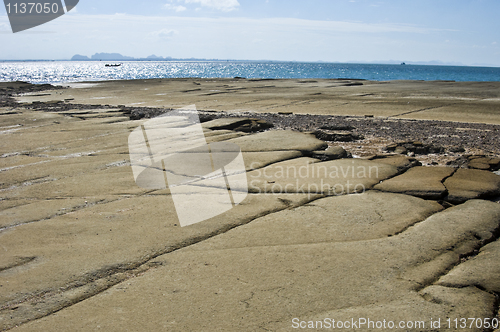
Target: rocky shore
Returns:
[[387, 218], [440, 142]]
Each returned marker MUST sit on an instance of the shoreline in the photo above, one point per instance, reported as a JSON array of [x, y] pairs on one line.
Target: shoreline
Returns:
[[457, 138], [406, 99], [214, 69]]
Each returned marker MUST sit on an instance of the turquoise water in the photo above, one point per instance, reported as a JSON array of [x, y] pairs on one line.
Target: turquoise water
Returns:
[[76, 71]]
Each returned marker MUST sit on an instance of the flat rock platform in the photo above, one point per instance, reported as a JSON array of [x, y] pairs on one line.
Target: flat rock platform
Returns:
[[320, 239]]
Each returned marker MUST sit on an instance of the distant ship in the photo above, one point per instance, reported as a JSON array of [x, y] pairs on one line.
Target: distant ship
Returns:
[[113, 65], [402, 63]]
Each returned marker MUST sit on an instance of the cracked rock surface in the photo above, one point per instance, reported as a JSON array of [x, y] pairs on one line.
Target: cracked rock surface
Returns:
[[85, 249]]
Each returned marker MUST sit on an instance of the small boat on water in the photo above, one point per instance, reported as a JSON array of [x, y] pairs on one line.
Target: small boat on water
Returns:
[[402, 63], [113, 65]]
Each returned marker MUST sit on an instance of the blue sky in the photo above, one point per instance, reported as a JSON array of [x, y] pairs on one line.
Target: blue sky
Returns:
[[451, 31]]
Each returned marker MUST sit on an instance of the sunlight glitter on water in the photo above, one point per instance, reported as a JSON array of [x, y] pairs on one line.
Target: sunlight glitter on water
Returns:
[[78, 71]]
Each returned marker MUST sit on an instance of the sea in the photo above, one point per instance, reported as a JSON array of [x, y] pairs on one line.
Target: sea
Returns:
[[60, 72]]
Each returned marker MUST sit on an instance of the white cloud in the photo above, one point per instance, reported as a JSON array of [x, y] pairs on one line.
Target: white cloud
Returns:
[[222, 5], [329, 27], [237, 38], [164, 33], [4, 24], [174, 7]]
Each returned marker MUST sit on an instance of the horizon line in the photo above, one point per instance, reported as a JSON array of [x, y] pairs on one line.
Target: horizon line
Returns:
[[170, 59]]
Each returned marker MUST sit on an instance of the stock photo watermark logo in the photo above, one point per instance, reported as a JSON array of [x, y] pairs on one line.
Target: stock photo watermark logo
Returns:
[[27, 14], [312, 178], [205, 180]]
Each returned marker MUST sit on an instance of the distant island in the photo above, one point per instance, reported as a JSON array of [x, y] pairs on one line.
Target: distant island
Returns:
[[119, 57], [153, 57]]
